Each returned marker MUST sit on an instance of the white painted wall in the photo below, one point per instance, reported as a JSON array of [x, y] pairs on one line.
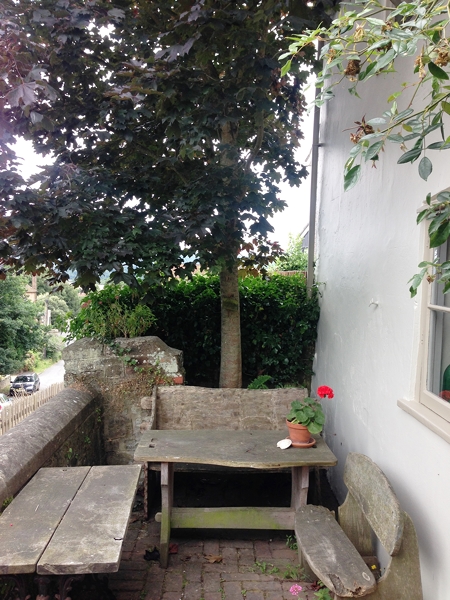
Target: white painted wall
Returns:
[[369, 246]]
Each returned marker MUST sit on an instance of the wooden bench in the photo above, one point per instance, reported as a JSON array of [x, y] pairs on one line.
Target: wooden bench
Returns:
[[334, 553], [66, 522]]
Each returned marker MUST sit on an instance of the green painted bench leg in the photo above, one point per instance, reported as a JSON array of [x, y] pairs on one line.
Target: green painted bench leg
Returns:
[[166, 510]]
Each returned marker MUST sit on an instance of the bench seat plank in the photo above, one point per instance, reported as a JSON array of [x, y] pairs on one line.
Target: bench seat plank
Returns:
[[90, 536], [330, 554], [28, 523]]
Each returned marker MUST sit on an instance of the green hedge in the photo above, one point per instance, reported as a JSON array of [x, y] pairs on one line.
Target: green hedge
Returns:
[[278, 323], [279, 328]]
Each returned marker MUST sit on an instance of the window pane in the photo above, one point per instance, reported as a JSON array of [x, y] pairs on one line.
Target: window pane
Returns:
[[438, 298], [439, 354]]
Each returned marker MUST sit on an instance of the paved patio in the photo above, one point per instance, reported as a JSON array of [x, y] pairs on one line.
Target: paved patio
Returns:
[[206, 569], [229, 565], [250, 566]]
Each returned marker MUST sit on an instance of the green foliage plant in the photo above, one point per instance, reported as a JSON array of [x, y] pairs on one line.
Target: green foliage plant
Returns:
[[293, 572], [6, 502], [308, 411], [279, 327], [369, 38], [54, 347], [110, 313], [294, 259], [259, 383], [266, 568], [322, 593], [21, 335], [291, 542]]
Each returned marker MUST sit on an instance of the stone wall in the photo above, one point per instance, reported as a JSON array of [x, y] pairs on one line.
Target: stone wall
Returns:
[[85, 446], [66, 422], [212, 408], [120, 386]]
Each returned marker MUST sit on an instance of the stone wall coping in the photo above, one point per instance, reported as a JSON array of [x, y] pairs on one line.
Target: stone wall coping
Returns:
[[29, 445]]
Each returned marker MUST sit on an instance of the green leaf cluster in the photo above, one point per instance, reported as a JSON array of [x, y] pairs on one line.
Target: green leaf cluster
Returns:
[[110, 313], [437, 214], [171, 125], [278, 324], [260, 383], [365, 40], [20, 330], [307, 412], [295, 258]]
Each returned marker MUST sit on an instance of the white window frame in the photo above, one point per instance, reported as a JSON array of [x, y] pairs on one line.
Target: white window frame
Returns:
[[427, 407]]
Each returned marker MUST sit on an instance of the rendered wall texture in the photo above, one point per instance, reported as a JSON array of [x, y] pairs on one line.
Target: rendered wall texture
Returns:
[[368, 343]]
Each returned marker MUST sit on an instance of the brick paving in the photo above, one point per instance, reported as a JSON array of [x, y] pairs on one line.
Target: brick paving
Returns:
[[206, 569]]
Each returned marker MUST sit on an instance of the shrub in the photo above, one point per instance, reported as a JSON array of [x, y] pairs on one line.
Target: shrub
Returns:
[[112, 312], [279, 328], [278, 324]]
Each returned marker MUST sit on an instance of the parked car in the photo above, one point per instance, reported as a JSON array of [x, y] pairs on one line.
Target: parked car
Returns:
[[25, 383]]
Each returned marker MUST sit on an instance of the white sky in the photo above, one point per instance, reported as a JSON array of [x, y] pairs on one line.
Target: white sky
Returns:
[[292, 220], [295, 216]]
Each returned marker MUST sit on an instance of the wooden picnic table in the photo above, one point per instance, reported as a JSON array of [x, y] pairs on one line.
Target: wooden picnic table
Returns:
[[67, 522], [233, 449]]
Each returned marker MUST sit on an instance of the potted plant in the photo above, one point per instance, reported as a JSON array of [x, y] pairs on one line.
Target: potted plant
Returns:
[[306, 417]]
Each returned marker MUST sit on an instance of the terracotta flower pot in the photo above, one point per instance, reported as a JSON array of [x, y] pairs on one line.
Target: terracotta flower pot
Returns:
[[299, 434]]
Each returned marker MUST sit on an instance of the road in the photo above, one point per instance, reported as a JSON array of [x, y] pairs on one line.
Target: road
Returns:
[[53, 374]]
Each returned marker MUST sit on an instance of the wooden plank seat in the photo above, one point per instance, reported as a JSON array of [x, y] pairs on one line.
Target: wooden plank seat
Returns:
[[333, 552], [66, 522]]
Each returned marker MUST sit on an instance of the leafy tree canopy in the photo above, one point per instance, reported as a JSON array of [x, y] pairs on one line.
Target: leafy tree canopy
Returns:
[[171, 127], [294, 259], [155, 113], [67, 297]]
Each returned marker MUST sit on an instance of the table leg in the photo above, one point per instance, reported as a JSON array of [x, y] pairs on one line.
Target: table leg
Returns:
[[146, 493], [166, 510], [300, 484]]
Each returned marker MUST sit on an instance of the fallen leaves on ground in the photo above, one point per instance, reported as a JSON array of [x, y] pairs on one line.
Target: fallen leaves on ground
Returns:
[[213, 558]]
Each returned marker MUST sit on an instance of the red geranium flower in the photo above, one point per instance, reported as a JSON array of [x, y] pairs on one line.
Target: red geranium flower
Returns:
[[445, 395], [325, 392]]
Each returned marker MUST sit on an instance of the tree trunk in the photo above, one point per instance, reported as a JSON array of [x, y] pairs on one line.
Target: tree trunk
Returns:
[[230, 356]]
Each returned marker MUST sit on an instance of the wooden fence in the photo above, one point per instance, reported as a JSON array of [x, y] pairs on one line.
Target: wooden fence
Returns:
[[22, 406]]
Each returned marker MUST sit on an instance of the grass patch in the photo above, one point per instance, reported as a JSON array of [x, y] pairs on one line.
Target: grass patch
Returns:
[[44, 363]]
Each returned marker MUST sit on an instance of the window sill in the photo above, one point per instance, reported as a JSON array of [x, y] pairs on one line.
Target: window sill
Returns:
[[427, 417]]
